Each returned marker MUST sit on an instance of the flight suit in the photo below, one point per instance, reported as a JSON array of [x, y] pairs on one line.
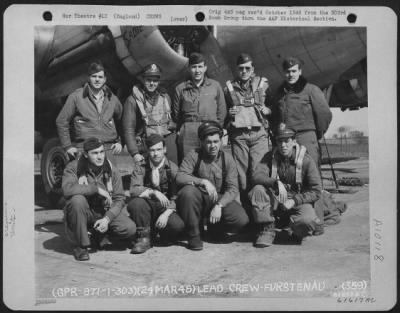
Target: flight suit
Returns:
[[190, 106], [248, 128]]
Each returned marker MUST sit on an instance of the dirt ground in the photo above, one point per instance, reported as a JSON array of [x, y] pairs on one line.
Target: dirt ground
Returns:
[[320, 267]]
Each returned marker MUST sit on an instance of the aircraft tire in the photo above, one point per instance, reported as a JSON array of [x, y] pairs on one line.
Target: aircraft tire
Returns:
[[54, 160]]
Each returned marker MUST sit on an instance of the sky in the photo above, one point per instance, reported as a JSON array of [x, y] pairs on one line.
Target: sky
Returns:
[[356, 120]]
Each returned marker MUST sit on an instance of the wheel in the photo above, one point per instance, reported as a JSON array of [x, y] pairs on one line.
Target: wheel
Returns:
[[54, 160]]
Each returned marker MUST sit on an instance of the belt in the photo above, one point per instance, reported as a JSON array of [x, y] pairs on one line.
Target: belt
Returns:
[[192, 118], [248, 128]]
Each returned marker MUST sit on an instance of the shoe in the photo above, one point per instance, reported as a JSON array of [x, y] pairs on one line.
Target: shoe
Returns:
[[265, 236], [318, 230], [143, 240], [99, 240], [195, 243], [81, 254], [296, 239]]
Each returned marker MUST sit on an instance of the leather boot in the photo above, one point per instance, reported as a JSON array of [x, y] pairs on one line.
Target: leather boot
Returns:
[[143, 240], [265, 236]]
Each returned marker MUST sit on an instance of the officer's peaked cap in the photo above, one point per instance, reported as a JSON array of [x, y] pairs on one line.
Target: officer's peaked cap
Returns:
[[284, 132], [152, 70], [209, 128]]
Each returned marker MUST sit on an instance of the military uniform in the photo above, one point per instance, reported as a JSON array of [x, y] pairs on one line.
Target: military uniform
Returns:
[[300, 176], [193, 202], [193, 104], [146, 114], [84, 205], [302, 106], [248, 128]]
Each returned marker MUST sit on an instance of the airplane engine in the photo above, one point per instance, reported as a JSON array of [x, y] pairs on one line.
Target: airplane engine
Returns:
[[351, 91]]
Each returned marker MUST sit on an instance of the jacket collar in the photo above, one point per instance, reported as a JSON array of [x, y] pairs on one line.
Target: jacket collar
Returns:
[[83, 168], [165, 166], [107, 91], [190, 84], [296, 87]]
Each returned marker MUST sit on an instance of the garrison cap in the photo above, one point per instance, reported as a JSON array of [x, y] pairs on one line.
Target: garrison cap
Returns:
[[209, 128], [291, 61], [95, 67], [92, 143], [196, 58], [154, 139], [284, 132], [243, 58], [152, 70]]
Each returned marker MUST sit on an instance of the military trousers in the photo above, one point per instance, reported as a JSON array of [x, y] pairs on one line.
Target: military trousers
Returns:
[[187, 139], [248, 148], [80, 217], [301, 219], [309, 140], [194, 205], [145, 212]]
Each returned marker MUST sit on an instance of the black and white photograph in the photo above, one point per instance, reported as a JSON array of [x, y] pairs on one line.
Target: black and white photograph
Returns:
[[197, 154]]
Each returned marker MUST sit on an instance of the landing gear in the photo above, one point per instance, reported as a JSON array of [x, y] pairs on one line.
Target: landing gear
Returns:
[[54, 160]]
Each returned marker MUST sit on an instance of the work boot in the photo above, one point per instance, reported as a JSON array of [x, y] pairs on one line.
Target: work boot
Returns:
[[143, 240], [318, 229], [195, 243], [265, 236], [81, 254]]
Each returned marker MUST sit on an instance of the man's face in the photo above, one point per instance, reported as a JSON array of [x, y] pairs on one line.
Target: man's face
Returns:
[[285, 146], [157, 153], [245, 70], [96, 156], [97, 80], [212, 145], [151, 83], [293, 74], [197, 71]]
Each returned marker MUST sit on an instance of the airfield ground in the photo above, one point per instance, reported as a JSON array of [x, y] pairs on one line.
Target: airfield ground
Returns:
[[317, 268]]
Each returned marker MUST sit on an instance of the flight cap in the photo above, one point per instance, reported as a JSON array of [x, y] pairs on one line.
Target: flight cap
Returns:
[[92, 143], [243, 58], [291, 61], [95, 67], [208, 128], [154, 139]]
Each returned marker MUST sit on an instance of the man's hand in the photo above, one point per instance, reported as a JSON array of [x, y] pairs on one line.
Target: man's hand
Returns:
[[101, 225], [163, 219], [137, 158], [106, 195], [282, 197], [116, 148], [73, 152], [210, 188], [265, 111], [161, 197], [215, 215], [234, 110], [289, 204]]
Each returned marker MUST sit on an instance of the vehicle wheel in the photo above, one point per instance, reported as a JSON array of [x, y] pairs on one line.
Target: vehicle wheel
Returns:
[[54, 160]]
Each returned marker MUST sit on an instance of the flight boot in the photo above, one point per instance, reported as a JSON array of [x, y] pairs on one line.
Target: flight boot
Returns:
[[265, 236], [143, 240]]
